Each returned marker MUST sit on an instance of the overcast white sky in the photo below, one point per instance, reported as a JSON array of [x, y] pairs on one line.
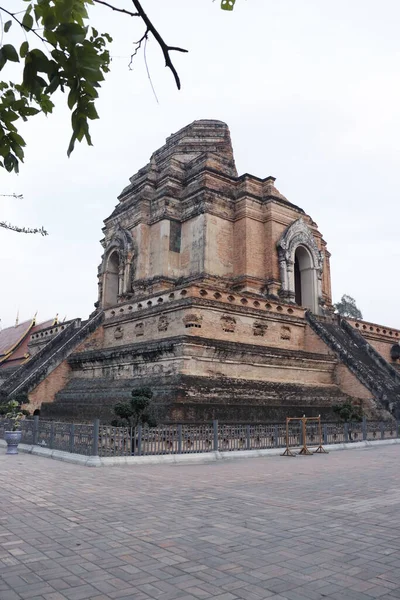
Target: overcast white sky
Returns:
[[311, 93]]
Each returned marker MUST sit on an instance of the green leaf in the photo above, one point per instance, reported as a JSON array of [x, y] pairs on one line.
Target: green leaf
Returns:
[[3, 59], [11, 162], [41, 61], [91, 111], [29, 111], [72, 32], [18, 151], [27, 21], [227, 4], [50, 21], [17, 138], [23, 51], [10, 53], [54, 83], [7, 26], [72, 98]]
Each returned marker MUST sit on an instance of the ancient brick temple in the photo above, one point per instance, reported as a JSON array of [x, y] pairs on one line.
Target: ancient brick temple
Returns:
[[215, 291]]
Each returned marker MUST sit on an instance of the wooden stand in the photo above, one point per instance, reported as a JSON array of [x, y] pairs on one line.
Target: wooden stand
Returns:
[[304, 450], [320, 449]]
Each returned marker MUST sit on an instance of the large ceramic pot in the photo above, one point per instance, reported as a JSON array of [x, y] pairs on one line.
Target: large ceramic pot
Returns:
[[12, 438]]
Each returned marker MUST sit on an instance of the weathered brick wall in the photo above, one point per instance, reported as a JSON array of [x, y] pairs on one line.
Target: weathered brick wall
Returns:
[[313, 343], [381, 337], [219, 243], [94, 341], [192, 246], [57, 379], [48, 388], [349, 384], [218, 322], [141, 237], [159, 248]]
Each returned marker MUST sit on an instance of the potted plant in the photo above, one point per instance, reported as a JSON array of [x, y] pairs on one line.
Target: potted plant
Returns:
[[14, 415]]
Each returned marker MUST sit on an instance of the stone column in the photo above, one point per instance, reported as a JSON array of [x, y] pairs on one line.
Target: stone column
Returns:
[[283, 273], [121, 280], [291, 286]]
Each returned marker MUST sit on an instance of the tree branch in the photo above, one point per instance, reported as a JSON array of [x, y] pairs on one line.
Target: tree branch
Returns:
[[164, 47], [138, 46], [5, 225], [121, 10], [12, 15], [14, 195]]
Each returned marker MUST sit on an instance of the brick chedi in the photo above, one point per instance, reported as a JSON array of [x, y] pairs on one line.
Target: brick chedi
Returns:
[[215, 291]]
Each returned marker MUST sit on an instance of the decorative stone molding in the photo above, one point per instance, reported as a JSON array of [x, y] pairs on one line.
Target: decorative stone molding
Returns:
[[259, 328], [118, 333], [298, 234], [286, 332], [121, 243], [139, 329], [192, 320], [228, 323], [163, 323]]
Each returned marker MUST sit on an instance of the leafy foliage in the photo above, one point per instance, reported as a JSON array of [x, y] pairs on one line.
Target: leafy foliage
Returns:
[[75, 60], [137, 411], [72, 57], [348, 412], [347, 308], [12, 411]]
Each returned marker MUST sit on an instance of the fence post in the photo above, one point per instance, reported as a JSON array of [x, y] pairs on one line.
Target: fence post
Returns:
[[139, 441], [382, 427], [215, 427], [364, 428], [51, 441], [248, 437], [96, 430], [179, 439], [325, 434], [71, 437], [35, 430], [276, 436], [346, 432]]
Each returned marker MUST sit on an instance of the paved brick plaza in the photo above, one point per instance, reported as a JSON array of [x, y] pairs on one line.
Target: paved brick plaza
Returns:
[[301, 529]]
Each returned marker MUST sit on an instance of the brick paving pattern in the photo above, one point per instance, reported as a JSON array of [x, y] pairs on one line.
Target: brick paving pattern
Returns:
[[279, 528]]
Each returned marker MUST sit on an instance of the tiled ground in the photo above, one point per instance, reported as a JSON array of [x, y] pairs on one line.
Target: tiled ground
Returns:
[[302, 529]]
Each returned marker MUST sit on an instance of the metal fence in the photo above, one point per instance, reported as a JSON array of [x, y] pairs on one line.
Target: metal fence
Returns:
[[105, 440], [70, 437]]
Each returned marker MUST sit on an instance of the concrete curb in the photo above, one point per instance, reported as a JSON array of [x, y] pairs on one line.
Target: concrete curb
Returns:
[[77, 459], [201, 458]]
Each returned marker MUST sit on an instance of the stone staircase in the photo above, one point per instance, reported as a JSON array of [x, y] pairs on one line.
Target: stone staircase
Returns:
[[30, 374], [370, 368]]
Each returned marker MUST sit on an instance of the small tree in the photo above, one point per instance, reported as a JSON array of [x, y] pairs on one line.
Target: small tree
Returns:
[[347, 308], [12, 412], [136, 411], [348, 412], [7, 405]]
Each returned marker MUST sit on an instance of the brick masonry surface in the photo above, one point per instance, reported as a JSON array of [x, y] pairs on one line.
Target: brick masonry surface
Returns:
[[325, 526]]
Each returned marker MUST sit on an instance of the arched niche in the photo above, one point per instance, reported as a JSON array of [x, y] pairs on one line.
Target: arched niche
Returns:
[[301, 264], [305, 283], [116, 270], [111, 280]]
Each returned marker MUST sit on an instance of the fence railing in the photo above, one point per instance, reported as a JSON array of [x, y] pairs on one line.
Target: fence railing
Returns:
[[104, 440]]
